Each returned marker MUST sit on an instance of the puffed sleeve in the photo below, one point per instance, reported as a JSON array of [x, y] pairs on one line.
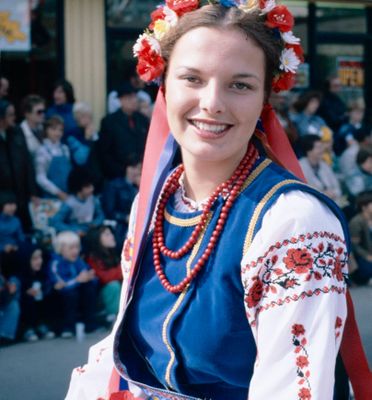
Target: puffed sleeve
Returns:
[[293, 275], [91, 381]]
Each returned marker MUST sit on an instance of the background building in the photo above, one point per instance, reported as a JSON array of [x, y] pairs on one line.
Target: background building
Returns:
[[89, 42]]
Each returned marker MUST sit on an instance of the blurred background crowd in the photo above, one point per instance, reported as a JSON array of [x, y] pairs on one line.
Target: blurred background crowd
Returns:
[[68, 177]]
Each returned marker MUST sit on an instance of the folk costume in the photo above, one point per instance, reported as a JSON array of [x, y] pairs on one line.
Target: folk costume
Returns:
[[252, 305]]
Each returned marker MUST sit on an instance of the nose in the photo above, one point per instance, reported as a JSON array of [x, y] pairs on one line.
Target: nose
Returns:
[[211, 98]]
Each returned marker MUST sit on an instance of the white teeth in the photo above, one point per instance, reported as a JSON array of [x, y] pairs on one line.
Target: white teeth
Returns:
[[203, 126]]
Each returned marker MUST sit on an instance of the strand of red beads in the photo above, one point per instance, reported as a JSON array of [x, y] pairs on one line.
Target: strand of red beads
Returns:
[[232, 186]]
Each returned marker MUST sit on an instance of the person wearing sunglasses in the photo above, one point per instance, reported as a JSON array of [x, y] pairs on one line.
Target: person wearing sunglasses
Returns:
[[33, 107]]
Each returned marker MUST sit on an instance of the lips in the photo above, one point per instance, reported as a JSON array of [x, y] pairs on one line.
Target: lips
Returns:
[[209, 128]]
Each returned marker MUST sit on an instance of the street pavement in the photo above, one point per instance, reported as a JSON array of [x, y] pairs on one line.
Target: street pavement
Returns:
[[41, 370]]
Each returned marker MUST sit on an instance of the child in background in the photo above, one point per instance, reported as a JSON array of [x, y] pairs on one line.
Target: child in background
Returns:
[[9, 309], [52, 161], [34, 307], [104, 260], [11, 235], [74, 283], [81, 210], [361, 238], [118, 195]]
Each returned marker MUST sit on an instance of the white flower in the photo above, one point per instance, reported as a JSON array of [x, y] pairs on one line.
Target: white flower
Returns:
[[269, 5], [290, 38], [289, 61], [170, 16], [154, 44]]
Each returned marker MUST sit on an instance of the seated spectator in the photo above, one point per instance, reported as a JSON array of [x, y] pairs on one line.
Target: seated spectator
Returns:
[[34, 291], [17, 172], [9, 309], [364, 162], [52, 161], [74, 284], [118, 195], [361, 239], [81, 139], [63, 101], [82, 209], [33, 108], [346, 135], [352, 175], [104, 259], [11, 235], [317, 173]]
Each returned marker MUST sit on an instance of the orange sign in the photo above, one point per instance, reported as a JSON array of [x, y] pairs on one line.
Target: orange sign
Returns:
[[351, 71]]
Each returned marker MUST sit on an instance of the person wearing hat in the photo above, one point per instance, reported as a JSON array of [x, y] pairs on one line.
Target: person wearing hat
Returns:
[[122, 133]]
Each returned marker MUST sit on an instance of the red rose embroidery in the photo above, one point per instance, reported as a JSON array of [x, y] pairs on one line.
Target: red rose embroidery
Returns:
[[255, 293], [302, 361], [304, 394], [124, 395], [284, 81], [280, 18], [181, 7], [299, 260], [289, 283], [337, 270], [298, 329]]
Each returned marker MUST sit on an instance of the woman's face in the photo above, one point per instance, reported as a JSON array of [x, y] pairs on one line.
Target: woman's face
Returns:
[[36, 260], [10, 116], [108, 239], [214, 93], [59, 96], [313, 106]]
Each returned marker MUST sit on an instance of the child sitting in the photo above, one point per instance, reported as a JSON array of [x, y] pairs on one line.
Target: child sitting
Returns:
[[52, 161], [74, 284], [11, 235], [34, 307], [118, 195], [81, 210], [103, 258], [9, 309]]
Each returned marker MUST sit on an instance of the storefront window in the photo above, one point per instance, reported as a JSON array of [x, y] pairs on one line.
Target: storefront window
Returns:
[[333, 17]]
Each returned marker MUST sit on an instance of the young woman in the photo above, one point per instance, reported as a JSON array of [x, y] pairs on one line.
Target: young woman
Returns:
[[237, 289]]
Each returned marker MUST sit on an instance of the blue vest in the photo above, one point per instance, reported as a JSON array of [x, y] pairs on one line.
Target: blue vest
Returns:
[[199, 342]]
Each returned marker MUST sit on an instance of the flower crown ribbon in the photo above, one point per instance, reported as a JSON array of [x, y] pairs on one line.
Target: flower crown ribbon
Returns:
[[151, 65]]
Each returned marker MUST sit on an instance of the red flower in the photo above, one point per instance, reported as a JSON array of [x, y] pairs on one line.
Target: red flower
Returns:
[[338, 323], [298, 329], [280, 18], [304, 394], [337, 270], [156, 15], [302, 361], [299, 51], [181, 7], [150, 66], [317, 276], [299, 260], [255, 293], [284, 81]]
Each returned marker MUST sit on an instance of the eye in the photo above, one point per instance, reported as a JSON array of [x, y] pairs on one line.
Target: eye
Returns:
[[191, 79], [241, 86]]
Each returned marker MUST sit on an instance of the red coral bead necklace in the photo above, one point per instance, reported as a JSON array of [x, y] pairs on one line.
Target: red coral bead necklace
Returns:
[[232, 187]]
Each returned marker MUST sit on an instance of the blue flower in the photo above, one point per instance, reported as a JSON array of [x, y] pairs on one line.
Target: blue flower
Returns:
[[228, 3]]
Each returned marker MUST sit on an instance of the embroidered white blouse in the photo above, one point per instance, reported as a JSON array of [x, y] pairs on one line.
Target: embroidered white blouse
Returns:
[[293, 277]]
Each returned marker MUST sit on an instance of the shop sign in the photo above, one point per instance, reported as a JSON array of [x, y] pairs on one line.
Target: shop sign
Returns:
[[15, 25], [351, 71]]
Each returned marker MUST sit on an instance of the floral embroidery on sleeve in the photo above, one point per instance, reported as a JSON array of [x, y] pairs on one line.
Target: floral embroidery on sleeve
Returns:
[[338, 327], [302, 361], [292, 270]]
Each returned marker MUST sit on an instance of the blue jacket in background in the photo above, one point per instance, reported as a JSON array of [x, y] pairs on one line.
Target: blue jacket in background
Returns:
[[65, 112], [11, 231]]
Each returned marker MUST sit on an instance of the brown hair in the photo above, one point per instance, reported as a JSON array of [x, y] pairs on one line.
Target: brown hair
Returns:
[[252, 24], [53, 121], [305, 98]]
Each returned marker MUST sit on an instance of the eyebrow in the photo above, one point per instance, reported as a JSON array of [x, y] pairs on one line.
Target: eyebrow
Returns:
[[235, 76]]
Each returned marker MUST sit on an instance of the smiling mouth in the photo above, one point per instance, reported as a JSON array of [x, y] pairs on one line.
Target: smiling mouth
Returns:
[[211, 128]]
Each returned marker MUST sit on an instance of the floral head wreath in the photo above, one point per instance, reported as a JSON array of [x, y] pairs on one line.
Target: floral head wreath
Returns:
[[151, 64]]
